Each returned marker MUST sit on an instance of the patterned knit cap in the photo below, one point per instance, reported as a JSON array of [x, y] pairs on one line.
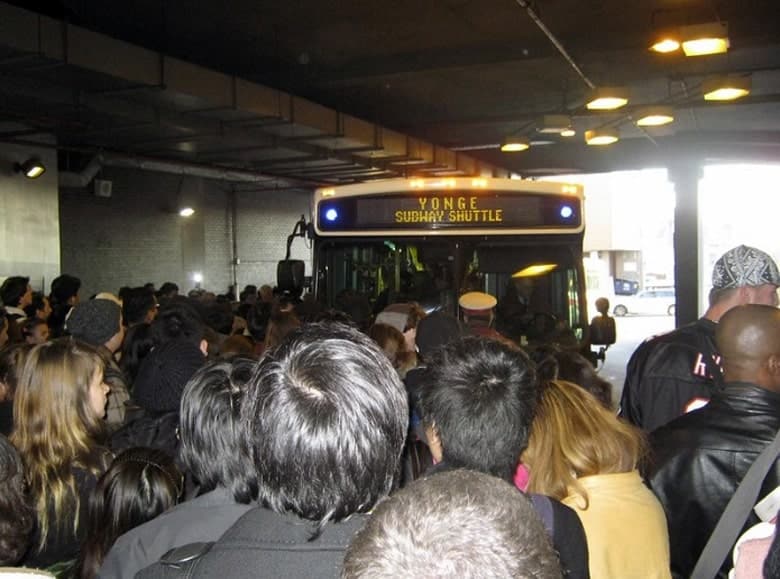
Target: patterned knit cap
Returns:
[[744, 266]]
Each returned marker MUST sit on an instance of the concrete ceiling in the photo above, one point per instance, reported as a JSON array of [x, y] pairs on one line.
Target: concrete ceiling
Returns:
[[325, 92]]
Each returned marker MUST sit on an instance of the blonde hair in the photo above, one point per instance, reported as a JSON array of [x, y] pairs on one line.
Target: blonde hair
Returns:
[[55, 428], [574, 436]]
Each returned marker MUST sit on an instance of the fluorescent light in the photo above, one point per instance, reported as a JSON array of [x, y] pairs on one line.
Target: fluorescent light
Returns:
[[535, 269], [608, 99], [726, 88], [654, 116], [514, 145], [601, 137], [186, 212], [704, 39]]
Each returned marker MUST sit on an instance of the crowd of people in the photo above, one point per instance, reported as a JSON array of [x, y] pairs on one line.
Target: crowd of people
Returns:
[[147, 434]]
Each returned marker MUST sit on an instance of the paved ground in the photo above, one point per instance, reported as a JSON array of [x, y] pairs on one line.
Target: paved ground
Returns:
[[631, 331]]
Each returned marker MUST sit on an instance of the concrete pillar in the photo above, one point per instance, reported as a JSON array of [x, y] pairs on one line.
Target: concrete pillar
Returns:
[[685, 177]]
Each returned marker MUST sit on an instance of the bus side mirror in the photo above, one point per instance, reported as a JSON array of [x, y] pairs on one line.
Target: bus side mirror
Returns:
[[290, 275]]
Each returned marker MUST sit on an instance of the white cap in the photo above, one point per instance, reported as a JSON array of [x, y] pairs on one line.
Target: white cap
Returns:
[[477, 301]]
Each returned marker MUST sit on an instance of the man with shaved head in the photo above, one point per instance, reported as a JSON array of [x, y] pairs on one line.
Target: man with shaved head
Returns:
[[699, 459]]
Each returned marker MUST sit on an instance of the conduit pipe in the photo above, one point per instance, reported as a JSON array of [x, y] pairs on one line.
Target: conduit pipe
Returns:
[[555, 42]]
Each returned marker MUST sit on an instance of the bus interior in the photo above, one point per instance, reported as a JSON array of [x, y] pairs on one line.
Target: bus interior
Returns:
[[535, 281]]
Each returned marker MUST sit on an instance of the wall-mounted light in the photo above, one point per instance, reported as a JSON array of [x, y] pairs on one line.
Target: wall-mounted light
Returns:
[[32, 168], [607, 98], [186, 212], [515, 145], [197, 277], [654, 116], [727, 88], [601, 137]]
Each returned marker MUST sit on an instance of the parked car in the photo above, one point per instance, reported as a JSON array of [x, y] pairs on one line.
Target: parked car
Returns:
[[659, 301]]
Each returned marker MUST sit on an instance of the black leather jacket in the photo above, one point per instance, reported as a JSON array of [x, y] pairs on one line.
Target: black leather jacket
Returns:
[[698, 460], [666, 373]]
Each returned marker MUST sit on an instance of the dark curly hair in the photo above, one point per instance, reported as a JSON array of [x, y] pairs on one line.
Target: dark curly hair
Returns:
[[16, 514]]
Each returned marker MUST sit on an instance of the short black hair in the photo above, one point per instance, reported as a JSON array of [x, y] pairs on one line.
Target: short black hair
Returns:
[[36, 304], [214, 442], [481, 396], [136, 304], [63, 288], [13, 290], [457, 523], [167, 290], [178, 319], [327, 416]]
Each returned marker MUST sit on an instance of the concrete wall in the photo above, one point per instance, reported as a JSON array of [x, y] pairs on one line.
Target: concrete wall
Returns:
[[136, 235], [29, 224]]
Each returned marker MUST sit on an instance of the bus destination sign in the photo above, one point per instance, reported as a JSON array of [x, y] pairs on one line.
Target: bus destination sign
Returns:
[[452, 209]]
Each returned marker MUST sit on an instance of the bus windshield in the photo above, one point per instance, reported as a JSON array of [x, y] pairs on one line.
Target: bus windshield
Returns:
[[536, 283]]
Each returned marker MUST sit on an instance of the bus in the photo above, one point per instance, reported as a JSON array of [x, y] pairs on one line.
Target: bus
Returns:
[[429, 240]]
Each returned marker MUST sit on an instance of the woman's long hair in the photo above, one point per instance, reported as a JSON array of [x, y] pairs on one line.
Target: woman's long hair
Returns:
[[140, 484], [56, 429], [574, 436]]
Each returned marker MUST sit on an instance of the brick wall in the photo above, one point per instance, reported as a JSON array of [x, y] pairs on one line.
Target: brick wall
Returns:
[[136, 236]]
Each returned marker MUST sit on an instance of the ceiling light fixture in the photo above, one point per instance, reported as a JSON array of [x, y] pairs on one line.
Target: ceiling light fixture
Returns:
[[705, 39], [186, 212], [666, 44], [695, 40], [654, 116], [727, 88], [554, 124], [568, 133], [601, 137], [515, 145], [608, 99], [32, 168]]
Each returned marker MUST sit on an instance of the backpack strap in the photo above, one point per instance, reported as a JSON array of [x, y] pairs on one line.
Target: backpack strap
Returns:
[[182, 561], [732, 520], [543, 508]]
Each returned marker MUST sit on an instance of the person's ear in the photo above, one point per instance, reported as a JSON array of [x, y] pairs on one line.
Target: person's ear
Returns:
[[773, 365], [204, 347], [434, 443]]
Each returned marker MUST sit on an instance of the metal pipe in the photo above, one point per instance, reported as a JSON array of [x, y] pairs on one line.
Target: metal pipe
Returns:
[[82, 179], [555, 42]]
